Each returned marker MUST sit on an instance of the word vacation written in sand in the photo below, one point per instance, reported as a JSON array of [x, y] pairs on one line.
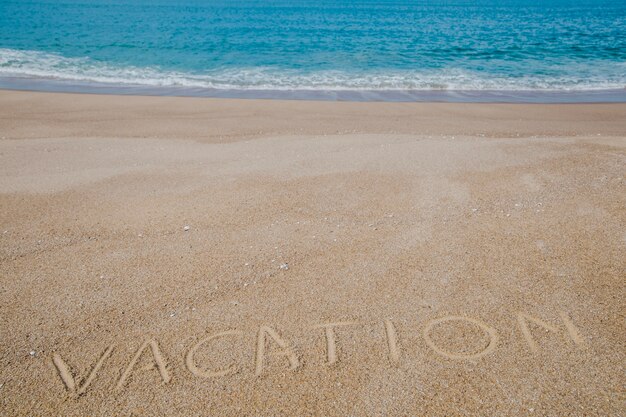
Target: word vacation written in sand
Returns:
[[270, 343]]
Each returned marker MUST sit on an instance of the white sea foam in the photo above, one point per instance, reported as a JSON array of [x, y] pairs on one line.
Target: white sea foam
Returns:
[[40, 65]]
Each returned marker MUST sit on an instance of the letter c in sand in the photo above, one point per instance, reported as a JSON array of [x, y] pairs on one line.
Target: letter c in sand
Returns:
[[203, 373]]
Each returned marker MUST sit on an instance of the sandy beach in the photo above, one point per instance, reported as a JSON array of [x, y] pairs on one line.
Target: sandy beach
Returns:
[[195, 257]]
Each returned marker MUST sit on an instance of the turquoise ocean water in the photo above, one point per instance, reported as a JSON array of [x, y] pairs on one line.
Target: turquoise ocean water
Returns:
[[342, 49]]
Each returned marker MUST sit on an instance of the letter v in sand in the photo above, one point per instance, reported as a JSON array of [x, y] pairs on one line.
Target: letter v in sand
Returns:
[[69, 380]]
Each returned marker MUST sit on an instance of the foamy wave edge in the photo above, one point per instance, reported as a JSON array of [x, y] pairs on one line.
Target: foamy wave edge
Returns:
[[41, 65]]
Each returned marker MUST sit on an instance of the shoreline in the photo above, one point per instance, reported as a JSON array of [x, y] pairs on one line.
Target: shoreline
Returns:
[[222, 120], [538, 96]]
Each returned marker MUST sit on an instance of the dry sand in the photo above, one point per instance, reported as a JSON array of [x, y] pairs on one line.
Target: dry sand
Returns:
[[471, 256]]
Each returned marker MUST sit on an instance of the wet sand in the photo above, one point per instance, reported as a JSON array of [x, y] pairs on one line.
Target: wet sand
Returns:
[[190, 256]]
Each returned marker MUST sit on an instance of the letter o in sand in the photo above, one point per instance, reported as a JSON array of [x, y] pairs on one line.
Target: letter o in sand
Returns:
[[493, 338]]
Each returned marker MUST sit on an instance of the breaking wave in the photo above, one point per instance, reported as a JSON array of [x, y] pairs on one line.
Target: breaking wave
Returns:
[[42, 65]]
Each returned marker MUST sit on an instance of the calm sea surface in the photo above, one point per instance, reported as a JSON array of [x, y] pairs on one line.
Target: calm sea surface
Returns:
[[316, 48]]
